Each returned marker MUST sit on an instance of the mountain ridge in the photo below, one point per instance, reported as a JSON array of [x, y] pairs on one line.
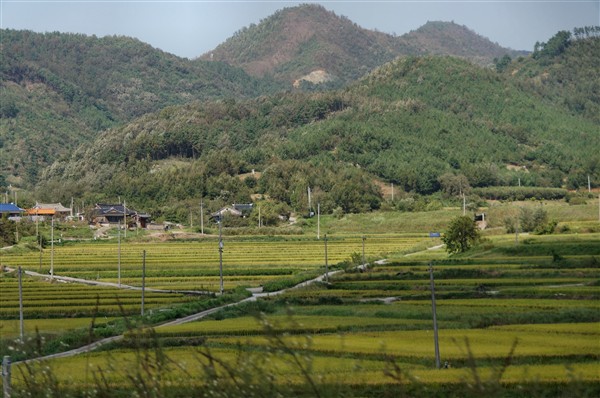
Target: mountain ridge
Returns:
[[295, 41]]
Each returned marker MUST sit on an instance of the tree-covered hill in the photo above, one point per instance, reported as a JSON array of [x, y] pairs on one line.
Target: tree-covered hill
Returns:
[[449, 38], [296, 41], [59, 89], [415, 122], [564, 71]]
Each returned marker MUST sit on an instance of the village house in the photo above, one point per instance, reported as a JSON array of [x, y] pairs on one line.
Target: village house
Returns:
[[11, 211], [116, 214], [40, 211], [236, 210]]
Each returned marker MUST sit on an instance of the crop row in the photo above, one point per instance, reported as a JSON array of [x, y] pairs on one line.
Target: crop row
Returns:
[[191, 253], [418, 343]]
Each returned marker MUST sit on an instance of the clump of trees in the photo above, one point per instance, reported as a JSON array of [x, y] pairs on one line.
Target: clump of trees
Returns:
[[461, 235], [530, 220]]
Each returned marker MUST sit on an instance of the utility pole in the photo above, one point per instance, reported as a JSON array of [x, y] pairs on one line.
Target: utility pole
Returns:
[[464, 205], [435, 327], [363, 251], [201, 217], [318, 221], [119, 255], [21, 328], [517, 230], [52, 249], [125, 217], [589, 184], [326, 262], [220, 255], [143, 279], [6, 376], [392, 191]]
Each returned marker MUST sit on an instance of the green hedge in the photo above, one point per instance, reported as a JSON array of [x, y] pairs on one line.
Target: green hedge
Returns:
[[520, 193]]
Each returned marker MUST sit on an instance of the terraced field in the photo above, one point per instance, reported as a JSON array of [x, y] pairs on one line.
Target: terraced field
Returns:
[[513, 320], [195, 265]]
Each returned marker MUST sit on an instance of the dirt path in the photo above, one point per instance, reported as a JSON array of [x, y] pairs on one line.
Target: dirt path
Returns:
[[256, 294], [68, 279]]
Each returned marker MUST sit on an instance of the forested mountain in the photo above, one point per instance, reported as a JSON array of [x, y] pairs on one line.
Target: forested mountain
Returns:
[[448, 38], [115, 117], [59, 90], [564, 71], [414, 122], [296, 41]]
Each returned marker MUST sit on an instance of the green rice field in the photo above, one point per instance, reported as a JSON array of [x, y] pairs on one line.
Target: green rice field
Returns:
[[511, 318]]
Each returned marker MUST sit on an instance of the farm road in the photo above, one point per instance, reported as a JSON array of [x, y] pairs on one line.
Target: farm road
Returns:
[[256, 294], [68, 279]]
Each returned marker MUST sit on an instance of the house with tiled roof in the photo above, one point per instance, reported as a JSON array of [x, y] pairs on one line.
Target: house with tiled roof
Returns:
[[43, 210], [11, 211], [117, 213]]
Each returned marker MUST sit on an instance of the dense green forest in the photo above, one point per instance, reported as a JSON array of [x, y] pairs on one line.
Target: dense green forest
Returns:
[[425, 124], [295, 41], [59, 90], [564, 71], [112, 117]]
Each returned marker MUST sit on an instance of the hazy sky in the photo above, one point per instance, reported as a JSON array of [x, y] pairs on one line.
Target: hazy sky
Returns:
[[189, 28]]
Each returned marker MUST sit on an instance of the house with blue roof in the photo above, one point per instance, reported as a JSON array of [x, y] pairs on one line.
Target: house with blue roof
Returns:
[[11, 211]]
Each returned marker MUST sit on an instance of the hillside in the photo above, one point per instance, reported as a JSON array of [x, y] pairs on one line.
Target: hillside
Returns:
[[567, 76], [409, 122], [448, 38], [296, 41], [59, 90]]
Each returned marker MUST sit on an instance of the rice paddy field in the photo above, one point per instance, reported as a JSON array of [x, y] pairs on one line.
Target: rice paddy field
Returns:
[[514, 319]]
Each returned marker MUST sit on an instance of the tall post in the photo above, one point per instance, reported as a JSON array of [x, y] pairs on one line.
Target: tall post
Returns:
[[119, 255], [326, 262], [40, 243], [52, 248], [464, 205], [21, 328], [517, 229], [435, 327], [589, 184], [143, 279], [318, 220], [259, 224], [363, 250], [220, 256], [202, 217], [125, 217], [392, 191], [6, 376], [37, 234]]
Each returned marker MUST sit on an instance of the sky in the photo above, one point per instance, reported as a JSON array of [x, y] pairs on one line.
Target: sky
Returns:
[[190, 28]]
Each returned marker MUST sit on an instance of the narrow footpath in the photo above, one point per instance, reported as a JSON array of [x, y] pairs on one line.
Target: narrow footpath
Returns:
[[256, 294]]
